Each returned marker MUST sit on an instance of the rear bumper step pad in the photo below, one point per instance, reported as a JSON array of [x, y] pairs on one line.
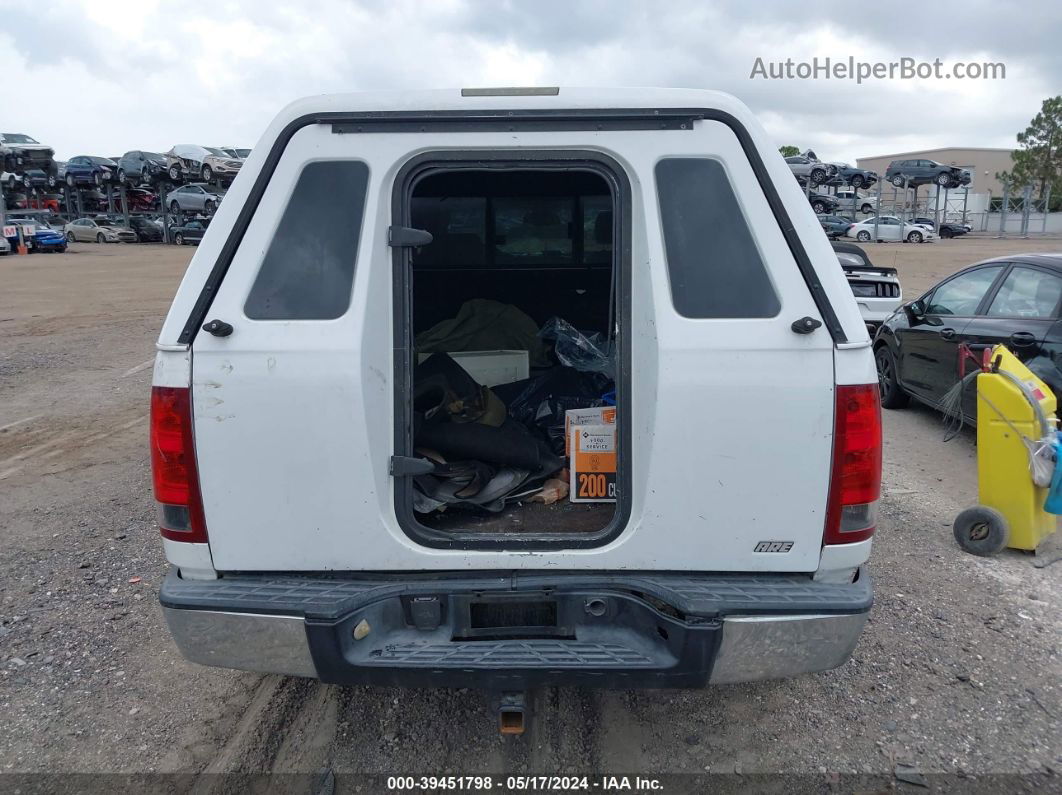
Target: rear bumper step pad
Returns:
[[616, 630], [705, 595]]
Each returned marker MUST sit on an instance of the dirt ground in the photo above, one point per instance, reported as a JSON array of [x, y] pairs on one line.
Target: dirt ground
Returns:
[[957, 675]]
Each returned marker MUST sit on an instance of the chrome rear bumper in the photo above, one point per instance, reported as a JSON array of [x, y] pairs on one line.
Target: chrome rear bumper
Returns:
[[711, 630], [246, 641]]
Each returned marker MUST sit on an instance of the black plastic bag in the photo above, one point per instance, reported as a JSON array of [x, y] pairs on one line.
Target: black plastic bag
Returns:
[[509, 445], [540, 403], [592, 353]]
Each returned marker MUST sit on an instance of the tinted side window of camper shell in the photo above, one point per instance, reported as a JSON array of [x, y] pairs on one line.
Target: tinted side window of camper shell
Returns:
[[713, 264], [308, 269]]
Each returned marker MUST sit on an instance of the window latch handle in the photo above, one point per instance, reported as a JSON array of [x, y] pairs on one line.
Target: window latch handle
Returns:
[[219, 328], [805, 325], [402, 236]]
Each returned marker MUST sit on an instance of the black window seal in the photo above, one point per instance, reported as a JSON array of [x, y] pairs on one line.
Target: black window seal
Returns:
[[410, 174], [993, 288], [538, 120]]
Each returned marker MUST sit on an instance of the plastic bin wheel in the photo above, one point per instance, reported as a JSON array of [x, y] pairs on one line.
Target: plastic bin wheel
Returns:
[[981, 530]]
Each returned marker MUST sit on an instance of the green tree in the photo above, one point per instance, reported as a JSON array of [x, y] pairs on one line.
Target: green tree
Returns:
[[1038, 158], [789, 151]]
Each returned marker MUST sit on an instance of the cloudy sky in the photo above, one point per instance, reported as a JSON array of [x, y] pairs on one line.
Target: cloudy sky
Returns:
[[105, 77]]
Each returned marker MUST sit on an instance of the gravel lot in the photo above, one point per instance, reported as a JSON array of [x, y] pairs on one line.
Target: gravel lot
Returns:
[[958, 672]]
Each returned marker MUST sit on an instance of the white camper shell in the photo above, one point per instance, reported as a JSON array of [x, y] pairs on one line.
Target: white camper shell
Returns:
[[314, 531]]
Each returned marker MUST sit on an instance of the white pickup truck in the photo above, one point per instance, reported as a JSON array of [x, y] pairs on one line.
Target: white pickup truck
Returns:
[[327, 514]]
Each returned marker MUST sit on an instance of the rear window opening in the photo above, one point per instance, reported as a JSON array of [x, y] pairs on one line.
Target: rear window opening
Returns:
[[514, 348]]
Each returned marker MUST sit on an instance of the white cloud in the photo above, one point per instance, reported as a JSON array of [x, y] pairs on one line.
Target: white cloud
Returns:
[[103, 78]]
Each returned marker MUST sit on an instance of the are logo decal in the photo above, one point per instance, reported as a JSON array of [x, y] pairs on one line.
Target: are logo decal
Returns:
[[773, 546]]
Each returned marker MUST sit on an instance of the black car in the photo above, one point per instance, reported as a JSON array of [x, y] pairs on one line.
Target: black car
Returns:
[[924, 348], [146, 230], [850, 175], [924, 172], [30, 178], [821, 203], [834, 225], [93, 200], [21, 154], [947, 228], [141, 168], [189, 231]]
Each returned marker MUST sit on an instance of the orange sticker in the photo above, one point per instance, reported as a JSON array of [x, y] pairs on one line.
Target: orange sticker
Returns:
[[593, 463]]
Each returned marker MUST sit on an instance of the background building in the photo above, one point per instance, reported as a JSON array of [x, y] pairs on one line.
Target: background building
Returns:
[[983, 164]]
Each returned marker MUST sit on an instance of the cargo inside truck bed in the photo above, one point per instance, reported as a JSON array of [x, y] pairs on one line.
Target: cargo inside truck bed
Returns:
[[513, 315]]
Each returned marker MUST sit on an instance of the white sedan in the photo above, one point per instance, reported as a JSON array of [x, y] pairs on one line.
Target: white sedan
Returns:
[[889, 227]]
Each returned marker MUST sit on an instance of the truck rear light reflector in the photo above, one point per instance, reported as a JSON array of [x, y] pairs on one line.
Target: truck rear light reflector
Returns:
[[173, 467], [855, 482]]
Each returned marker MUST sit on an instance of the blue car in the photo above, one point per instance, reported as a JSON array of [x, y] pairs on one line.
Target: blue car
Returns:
[[89, 170], [44, 238]]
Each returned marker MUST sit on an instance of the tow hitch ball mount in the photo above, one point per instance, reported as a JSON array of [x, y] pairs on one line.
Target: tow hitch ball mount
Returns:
[[513, 712]]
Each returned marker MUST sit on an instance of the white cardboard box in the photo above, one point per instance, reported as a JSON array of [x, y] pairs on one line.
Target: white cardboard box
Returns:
[[490, 368], [602, 415]]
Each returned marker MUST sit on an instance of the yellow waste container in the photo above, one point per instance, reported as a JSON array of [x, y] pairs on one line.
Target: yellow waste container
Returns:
[[1011, 403]]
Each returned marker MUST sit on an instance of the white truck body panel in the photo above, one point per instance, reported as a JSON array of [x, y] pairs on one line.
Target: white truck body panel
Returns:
[[294, 419]]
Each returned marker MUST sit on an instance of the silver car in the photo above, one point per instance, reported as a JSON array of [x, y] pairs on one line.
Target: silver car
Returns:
[[192, 197], [87, 230], [889, 227], [191, 161], [808, 166]]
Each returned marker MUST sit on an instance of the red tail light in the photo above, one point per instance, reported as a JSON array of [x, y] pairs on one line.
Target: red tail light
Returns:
[[173, 468], [855, 483]]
